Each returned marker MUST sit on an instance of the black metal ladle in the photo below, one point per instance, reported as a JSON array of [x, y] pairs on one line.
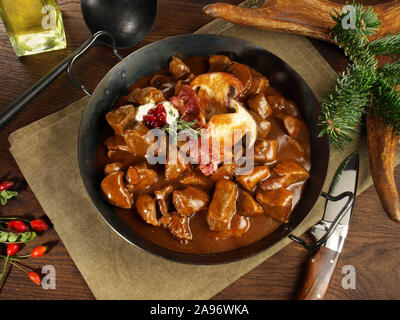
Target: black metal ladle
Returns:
[[118, 23]]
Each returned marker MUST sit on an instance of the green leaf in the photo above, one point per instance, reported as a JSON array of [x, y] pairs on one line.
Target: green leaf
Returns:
[[11, 237], [6, 195]]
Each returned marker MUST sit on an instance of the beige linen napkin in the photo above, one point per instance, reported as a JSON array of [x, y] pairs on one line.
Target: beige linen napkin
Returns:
[[46, 154]]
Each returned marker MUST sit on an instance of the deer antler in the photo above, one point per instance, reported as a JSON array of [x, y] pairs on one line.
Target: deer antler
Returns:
[[307, 17]]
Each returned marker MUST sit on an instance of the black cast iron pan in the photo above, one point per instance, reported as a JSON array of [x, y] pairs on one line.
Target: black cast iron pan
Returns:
[[155, 56]]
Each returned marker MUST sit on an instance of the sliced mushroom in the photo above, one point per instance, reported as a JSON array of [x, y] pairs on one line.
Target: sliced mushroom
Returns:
[[225, 130], [146, 207], [276, 203], [214, 89], [247, 206], [250, 180], [178, 68], [145, 96], [121, 119], [189, 200], [115, 191], [223, 205]]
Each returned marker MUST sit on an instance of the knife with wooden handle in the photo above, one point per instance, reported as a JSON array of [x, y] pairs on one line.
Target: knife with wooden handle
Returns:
[[322, 265]]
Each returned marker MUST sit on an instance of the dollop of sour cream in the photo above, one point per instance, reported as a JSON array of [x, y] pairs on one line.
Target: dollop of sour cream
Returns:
[[172, 112]]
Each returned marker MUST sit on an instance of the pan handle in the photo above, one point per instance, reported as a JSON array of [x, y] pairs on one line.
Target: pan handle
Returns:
[[333, 225], [90, 43]]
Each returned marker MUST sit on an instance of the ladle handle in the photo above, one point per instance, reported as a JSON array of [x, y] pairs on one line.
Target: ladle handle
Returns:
[[12, 109], [92, 41]]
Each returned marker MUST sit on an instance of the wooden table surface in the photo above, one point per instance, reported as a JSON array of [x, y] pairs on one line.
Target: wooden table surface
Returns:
[[372, 245]]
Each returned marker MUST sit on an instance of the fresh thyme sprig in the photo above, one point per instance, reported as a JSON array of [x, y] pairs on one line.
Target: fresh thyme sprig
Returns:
[[181, 127]]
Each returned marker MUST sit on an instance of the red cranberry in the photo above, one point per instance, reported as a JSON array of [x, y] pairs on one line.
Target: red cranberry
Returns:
[[156, 118]]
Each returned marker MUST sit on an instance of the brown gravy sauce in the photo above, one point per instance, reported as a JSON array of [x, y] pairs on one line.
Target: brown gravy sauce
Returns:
[[204, 240]]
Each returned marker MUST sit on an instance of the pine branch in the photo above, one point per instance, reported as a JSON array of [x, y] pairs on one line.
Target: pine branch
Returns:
[[386, 95], [342, 110], [386, 46], [354, 41]]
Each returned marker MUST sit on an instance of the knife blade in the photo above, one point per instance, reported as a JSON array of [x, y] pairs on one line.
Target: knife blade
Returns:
[[323, 263]]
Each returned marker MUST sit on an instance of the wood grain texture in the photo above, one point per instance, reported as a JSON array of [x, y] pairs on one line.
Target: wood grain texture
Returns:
[[310, 18], [320, 269], [373, 242]]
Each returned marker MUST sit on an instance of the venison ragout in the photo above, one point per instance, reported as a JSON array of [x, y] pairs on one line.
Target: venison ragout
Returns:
[[233, 156]]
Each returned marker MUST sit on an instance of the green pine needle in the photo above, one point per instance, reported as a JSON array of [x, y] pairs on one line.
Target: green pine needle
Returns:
[[386, 95], [386, 46]]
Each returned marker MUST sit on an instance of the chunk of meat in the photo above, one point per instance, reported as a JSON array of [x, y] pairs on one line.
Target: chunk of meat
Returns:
[[189, 200], [175, 165], [121, 119], [163, 197], [263, 126], [146, 208], [163, 83], [145, 96], [247, 206], [296, 146], [266, 151], [115, 191], [237, 227], [214, 90], [141, 176], [291, 124], [113, 167], [250, 180], [258, 85], [188, 105], [178, 68], [194, 178], [180, 229], [116, 143], [223, 205], [226, 130], [138, 140], [243, 73], [276, 203], [259, 104], [227, 170], [293, 170], [289, 172], [219, 63], [280, 104]]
